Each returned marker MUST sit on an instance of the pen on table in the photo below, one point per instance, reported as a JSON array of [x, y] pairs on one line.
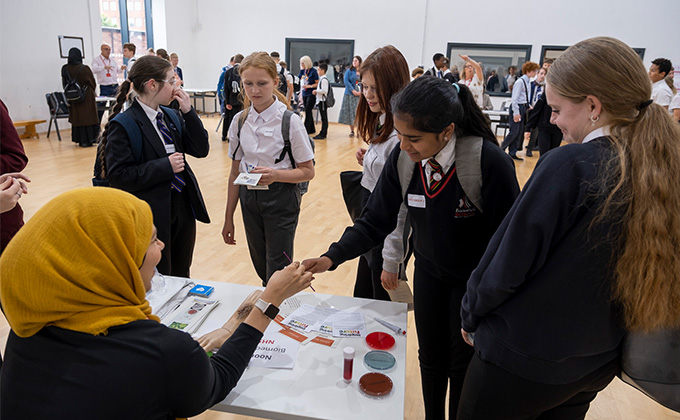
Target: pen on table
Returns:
[[391, 326], [291, 261]]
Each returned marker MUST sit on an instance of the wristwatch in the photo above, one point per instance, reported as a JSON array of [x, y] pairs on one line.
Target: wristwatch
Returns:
[[267, 308]]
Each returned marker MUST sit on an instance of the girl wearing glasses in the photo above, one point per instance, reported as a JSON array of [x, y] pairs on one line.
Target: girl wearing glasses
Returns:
[[155, 170], [472, 78]]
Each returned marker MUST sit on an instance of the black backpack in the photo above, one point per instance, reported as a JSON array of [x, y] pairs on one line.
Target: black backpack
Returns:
[[232, 86], [330, 98], [73, 92]]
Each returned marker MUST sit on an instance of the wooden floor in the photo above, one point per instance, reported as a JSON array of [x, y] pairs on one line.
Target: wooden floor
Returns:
[[56, 167]]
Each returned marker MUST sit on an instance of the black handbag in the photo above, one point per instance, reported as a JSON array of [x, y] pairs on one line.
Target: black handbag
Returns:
[[352, 192], [650, 362]]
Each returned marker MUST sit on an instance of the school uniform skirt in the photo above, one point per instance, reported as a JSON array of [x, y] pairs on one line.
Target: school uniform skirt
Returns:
[[349, 109]]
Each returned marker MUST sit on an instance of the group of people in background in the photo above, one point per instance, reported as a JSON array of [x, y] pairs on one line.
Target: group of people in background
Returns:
[[85, 115], [497, 329]]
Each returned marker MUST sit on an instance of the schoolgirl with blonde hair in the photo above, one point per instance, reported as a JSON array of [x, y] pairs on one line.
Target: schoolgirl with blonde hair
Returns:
[[257, 147]]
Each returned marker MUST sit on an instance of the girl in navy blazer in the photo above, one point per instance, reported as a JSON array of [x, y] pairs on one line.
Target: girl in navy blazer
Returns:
[[160, 176]]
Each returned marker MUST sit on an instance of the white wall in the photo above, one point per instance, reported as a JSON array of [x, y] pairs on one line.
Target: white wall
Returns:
[[205, 33], [30, 65]]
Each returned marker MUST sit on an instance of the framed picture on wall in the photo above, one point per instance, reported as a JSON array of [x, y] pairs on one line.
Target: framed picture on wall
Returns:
[[495, 59], [337, 53], [554, 51], [68, 42]]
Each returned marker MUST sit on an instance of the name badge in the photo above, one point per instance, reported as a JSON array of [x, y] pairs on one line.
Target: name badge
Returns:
[[170, 148], [268, 132], [416, 200]]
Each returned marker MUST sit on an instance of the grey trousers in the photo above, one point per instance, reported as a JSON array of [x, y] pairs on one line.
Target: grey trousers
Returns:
[[270, 218]]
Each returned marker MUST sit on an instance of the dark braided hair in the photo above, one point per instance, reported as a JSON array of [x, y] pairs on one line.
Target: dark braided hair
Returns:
[[433, 104], [145, 68]]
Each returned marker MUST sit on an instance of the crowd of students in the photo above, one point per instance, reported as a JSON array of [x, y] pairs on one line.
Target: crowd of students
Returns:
[[498, 273]]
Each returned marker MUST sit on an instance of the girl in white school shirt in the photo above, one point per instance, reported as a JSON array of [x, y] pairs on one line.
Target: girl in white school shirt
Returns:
[[256, 145]]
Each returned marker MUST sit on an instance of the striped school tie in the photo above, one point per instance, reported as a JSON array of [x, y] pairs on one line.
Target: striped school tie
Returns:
[[436, 175], [178, 182]]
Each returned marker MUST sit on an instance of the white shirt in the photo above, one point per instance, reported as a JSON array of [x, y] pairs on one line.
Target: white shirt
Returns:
[[598, 132], [446, 157], [261, 141], [375, 158], [151, 114], [322, 88], [661, 93], [476, 87], [675, 102], [105, 77]]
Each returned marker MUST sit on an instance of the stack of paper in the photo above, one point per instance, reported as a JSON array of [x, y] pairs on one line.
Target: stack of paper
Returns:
[[190, 314]]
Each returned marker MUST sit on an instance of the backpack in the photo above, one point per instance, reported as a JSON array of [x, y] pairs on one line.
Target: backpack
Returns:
[[73, 92], [232, 86], [283, 83], [287, 150], [296, 83], [330, 98], [135, 135]]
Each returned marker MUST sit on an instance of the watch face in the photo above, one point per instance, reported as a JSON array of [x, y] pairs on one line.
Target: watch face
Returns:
[[271, 311]]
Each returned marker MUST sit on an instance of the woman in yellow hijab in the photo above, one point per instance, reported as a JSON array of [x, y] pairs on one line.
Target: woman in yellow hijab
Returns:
[[84, 343]]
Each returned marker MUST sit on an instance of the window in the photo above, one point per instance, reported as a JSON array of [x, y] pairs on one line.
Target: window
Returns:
[[337, 53], [495, 60], [126, 21]]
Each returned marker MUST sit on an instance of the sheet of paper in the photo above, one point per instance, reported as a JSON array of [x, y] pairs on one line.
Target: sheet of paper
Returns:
[[247, 179], [307, 316], [349, 324], [275, 351], [402, 294]]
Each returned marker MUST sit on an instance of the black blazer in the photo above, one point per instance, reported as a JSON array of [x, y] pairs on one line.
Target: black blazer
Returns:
[[150, 178]]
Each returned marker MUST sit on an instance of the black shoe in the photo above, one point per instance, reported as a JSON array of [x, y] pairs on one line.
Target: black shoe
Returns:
[[86, 145], [516, 157], [319, 137], [225, 139], [529, 154]]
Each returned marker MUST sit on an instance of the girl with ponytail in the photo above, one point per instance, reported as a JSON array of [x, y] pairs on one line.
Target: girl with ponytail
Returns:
[[457, 185], [159, 174], [256, 145], [599, 221]]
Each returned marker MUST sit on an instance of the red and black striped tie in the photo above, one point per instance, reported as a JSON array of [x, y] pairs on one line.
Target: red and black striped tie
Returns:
[[436, 175]]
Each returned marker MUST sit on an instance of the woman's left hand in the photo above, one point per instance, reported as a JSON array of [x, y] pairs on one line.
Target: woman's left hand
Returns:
[[214, 339], [269, 175], [183, 99]]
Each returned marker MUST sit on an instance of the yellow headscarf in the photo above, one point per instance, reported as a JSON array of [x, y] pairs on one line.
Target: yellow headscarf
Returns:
[[75, 264]]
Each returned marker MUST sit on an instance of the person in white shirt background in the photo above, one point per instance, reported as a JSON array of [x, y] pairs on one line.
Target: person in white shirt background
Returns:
[[105, 69], [472, 78], [661, 93]]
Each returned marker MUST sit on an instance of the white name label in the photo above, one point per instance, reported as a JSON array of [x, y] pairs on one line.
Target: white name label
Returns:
[[170, 148], [416, 200]]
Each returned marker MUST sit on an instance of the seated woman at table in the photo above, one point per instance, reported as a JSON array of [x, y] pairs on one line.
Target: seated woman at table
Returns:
[[84, 343]]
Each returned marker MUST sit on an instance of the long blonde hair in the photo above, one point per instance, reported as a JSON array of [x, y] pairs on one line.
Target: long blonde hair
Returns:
[[642, 179], [259, 60]]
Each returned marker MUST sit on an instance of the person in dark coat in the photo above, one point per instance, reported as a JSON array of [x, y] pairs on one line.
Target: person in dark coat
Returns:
[[82, 115]]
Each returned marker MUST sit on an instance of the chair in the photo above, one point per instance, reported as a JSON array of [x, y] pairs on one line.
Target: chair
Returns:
[[56, 101], [504, 120]]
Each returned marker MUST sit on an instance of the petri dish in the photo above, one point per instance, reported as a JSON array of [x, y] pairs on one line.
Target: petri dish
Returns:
[[380, 340], [376, 384], [378, 360]]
